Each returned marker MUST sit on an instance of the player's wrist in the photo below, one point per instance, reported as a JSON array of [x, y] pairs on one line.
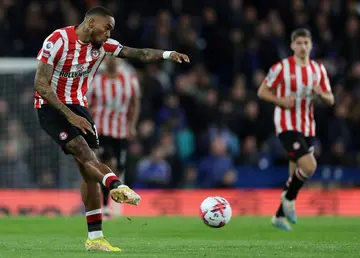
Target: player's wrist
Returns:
[[167, 54]]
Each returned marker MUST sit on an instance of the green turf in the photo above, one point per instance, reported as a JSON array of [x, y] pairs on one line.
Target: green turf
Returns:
[[182, 237]]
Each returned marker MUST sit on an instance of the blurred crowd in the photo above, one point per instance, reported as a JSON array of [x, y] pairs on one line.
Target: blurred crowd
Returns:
[[199, 122]]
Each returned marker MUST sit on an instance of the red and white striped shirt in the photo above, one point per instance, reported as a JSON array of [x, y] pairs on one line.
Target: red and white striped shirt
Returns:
[[74, 64], [287, 78], [110, 99]]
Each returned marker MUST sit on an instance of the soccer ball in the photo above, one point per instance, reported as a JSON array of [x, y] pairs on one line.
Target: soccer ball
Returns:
[[215, 212]]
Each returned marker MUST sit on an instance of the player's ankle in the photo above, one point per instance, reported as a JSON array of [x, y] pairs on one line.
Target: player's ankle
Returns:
[[94, 222], [111, 181]]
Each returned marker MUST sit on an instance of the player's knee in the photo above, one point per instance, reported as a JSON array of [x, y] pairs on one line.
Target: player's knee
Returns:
[[308, 164], [79, 148]]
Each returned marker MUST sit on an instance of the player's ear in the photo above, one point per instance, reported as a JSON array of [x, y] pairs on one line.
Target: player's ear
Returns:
[[91, 22], [292, 46]]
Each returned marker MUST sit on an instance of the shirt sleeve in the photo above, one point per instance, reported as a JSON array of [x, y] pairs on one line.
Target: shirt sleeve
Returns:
[[52, 48], [324, 80], [274, 76], [112, 47]]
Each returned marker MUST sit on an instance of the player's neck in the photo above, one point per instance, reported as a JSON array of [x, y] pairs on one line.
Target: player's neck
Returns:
[[301, 61], [82, 33]]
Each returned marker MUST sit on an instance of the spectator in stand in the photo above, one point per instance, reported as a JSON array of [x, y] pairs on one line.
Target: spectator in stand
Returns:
[[217, 170], [154, 171]]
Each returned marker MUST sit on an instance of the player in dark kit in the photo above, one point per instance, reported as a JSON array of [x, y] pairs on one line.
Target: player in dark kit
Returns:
[[69, 59]]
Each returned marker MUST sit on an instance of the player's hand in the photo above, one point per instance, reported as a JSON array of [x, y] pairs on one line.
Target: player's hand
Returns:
[[132, 133], [178, 57], [82, 123], [288, 102]]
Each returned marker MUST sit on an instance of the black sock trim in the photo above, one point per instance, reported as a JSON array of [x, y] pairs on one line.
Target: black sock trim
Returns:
[[94, 226], [114, 184]]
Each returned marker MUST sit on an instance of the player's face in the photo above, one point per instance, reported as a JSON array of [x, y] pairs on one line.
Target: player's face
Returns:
[[100, 29], [302, 47]]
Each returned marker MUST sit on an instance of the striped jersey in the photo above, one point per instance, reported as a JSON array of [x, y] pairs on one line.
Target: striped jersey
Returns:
[[287, 78], [110, 98], [74, 64]]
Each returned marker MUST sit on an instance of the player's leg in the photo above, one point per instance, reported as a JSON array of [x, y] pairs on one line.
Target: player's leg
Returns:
[[111, 163], [115, 154], [91, 197], [99, 172], [279, 220], [292, 168], [300, 152], [72, 141], [107, 156], [306, 166]]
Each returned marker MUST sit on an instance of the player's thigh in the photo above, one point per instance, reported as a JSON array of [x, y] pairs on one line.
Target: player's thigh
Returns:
[[57, 126], [295, 145], [91, 139], [81, 150]]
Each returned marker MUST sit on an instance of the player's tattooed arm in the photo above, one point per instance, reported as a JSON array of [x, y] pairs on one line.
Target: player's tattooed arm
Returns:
[[149, 54], [43, 87]]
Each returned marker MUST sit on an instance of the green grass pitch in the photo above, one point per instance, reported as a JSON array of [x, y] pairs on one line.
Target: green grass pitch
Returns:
[[181, 237]]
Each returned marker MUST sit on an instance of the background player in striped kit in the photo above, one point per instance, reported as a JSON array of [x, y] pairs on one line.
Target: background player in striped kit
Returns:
[[115, 107], [68, 61], [292, 85]]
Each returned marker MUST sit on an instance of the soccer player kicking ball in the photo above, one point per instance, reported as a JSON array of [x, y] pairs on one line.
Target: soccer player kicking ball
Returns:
[[292, 85], [69, 59]]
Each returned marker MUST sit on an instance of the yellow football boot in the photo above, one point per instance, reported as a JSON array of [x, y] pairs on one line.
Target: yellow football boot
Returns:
[[100, 244], [123, 194]]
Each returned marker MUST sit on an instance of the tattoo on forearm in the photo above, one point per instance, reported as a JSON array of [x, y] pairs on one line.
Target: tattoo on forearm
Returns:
[[142, 54], [42, 86]]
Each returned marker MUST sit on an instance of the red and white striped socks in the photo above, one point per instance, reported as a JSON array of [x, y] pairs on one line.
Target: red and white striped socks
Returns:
[[94, 223], [111, 181]]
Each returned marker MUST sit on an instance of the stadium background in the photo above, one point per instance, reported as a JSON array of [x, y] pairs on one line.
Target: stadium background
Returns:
[[203, 115]]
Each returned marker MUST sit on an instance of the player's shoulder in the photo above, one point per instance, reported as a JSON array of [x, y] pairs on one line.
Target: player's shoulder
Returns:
[[58, 34], [111, 41], [61, 33], [317, 63], [278, 65]]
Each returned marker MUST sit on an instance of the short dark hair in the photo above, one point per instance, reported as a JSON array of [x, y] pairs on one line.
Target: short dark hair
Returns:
[[99, 10], [302, 32]]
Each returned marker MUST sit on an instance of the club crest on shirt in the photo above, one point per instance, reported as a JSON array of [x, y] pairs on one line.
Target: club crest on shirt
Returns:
[[63, 136], [296, 145], [95, 53]]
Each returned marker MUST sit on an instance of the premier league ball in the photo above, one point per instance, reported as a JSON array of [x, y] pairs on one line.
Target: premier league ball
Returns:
[[215, 212]]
